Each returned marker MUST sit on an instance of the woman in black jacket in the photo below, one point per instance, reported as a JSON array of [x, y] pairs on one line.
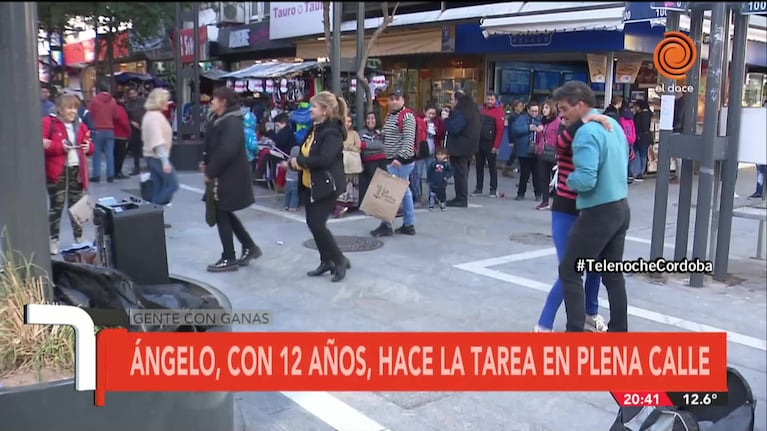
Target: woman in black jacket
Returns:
[[321, 163], [463, 128], [225, 164], [642, 128]]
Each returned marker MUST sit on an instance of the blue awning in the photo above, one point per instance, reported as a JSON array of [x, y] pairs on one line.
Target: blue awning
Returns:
[[272, 70]]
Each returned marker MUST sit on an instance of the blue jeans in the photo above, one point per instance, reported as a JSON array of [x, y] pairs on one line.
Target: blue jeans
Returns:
[[560, 228], [642, 150], [103, 141], [416, 177], [408, 208], [163, 185], [291, 194]]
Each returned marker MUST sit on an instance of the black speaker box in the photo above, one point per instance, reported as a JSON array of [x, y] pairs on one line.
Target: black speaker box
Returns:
[[133, 240]]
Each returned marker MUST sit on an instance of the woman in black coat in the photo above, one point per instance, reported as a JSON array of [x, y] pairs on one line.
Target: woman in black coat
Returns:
[[321, 165], [225, 164], [463, 129]]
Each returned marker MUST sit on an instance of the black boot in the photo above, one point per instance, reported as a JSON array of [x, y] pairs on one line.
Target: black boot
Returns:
[[249, 253], [224, 265], [340, 270], [322, 269]]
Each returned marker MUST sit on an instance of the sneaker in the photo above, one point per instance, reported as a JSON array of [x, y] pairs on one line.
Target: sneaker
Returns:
[[638, 179], [756, 195], [54, 247], [457, 204], [630, 180], [476, 193], [493, 195], [224, 265], [431, 207], [442, 206], [405, 230], [596, 323], [381, 230], [542, 206], [539, 328]]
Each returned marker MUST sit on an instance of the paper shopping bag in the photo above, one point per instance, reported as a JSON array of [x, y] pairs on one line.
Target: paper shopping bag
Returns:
[[82, 211], [384, 196]]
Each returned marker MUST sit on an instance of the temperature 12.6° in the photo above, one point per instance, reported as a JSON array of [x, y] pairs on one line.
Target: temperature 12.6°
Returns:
[[692, 399]]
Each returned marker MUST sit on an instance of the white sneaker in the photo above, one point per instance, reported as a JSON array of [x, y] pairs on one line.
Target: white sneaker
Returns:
[[596, 323], [539, 328], [54, 247]]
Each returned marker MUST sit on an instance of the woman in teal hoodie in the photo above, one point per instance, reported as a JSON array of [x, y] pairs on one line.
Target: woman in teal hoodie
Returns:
[[251, 141]]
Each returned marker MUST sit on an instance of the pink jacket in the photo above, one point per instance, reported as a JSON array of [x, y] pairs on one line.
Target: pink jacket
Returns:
[[548, 136]]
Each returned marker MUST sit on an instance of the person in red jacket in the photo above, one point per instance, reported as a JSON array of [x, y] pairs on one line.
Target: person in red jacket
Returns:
[[67, 144], [490, 137], [103, 110], [122, 134]]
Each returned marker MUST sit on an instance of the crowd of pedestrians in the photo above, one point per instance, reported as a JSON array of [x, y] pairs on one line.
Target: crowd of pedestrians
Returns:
[[578, 159]]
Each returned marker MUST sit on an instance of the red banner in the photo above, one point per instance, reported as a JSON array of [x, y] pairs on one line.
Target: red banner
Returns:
[[463, 361], [84, 51], [187, 44]]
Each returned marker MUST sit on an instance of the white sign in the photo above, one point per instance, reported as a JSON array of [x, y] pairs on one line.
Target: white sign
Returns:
[[753, 134], [239, 38], [667, 111], [295, 19]]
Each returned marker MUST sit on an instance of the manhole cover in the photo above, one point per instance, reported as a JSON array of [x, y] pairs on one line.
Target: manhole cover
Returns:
[[531, 238], [350, 244]]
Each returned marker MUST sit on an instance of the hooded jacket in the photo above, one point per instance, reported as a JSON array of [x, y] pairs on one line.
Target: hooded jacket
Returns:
[[103, 110], [53, 128], [497, 113]]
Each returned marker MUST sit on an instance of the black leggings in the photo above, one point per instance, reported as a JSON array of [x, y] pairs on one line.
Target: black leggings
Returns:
[[317, 214], [544, 173], [528, 168], [229, 226], [121, 150]]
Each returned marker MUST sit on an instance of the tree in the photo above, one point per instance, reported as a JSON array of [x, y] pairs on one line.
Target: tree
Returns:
[[146, 20], [362, 80]]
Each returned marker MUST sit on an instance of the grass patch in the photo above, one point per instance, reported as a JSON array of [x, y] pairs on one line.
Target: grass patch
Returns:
[[37, 349]]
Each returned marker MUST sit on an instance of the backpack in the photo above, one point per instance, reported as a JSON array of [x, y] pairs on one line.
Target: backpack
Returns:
[[421, 143], [487, 131], [628, 129]]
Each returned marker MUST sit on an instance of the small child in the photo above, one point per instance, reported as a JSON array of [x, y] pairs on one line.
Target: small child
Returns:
[[291, 183], [437, 175]]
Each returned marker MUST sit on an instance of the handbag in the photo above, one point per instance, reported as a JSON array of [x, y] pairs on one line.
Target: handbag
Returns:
[[549, 154], [352, 162]]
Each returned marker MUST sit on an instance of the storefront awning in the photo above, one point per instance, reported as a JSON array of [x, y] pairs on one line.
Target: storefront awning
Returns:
[[214, 74], [556, 21], [414, 41], [271, 70]]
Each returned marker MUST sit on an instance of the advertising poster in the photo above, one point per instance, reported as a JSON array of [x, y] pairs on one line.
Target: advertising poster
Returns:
[[597, 67]]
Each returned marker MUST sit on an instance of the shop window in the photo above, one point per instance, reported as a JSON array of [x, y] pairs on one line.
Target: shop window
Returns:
[[754, 90], [259, 10]]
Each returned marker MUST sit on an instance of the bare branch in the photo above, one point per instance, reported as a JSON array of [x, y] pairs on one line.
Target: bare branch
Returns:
[[361, 78], [326, 25]]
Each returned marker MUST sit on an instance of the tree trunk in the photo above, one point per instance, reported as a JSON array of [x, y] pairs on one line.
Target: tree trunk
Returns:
[[326, 26], [362, 80]]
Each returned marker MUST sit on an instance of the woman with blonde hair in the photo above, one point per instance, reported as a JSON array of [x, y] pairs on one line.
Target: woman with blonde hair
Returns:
[[67, 144], [157, 135], [321, 163]]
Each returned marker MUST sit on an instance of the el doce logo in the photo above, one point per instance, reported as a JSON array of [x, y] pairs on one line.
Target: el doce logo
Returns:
[[675, 55]]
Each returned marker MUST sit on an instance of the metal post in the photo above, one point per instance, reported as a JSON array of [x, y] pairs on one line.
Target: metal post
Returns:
[[179, 73], [360, 95], [609, 79], [196, 70], [335, 61], [685, 172], [660, 207], [734, 112], [23, 212], [710, 135], [719, 165]]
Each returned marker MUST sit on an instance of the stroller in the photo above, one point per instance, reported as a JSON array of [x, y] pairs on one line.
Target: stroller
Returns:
[[269, 157]]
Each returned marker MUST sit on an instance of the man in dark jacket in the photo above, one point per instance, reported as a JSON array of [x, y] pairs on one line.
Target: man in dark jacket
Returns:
[[134, 106], [104, 113], [225, 162], [463, 129], [517, 108], [523, 131]]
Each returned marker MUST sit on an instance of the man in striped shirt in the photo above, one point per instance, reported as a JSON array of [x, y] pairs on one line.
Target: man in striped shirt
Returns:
[[399, 139]]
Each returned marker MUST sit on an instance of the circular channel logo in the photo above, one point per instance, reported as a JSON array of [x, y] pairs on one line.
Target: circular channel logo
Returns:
[[675, 55]]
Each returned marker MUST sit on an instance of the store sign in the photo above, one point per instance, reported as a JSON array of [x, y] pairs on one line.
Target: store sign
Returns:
[[642, 12], [753, 8], [295, 19], [530, 40], [188, 43], [676, 6]]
